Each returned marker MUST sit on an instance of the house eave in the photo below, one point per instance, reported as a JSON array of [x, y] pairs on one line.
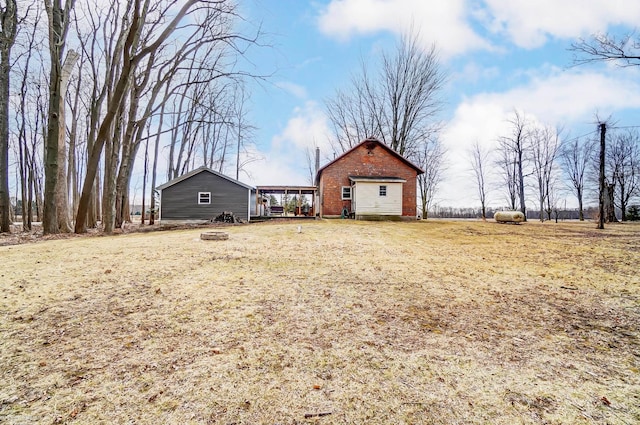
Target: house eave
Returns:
[[374, 179]]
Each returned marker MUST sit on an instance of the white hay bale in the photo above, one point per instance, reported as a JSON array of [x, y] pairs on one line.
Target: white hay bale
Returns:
[[214, 236], [509, 217]]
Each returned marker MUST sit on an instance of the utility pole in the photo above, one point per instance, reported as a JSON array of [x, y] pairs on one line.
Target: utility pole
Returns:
[[603, 130]]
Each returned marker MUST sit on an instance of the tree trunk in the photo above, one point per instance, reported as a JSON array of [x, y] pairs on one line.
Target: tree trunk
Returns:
[[30, 186], [523, 208], [112, 155], [580, 206], [129, 64], [542, 211], [154, 168], [601, 182], [23, 178], [610, 208], [62, 189], [129, 150], [623, 202], [72, 167], [9, 19], [144, 179]]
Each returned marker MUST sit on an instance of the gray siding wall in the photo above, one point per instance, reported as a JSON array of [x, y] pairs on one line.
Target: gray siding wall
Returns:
[[180, 201]]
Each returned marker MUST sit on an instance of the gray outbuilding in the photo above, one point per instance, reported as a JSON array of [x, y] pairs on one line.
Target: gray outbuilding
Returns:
[[203, 194]]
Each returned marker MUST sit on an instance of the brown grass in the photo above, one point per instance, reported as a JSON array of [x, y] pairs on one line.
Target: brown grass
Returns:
[[427, 322]]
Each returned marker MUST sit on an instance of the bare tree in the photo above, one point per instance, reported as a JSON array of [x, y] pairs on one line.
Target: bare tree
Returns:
[[24, 122], [74, 139], [507, 165], [545, 148], [623, 51], [516, 145], [243, 129], [8, 28], [311, 162], [479, 162], [575, 157], [132, 56], [100, 53], [396, 101], [62, 192], [29, 104], [58, 15], [431, 158], [352, 114], [623, 162]]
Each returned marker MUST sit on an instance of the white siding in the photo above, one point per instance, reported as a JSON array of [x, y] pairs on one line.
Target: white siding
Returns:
[[369, 201]]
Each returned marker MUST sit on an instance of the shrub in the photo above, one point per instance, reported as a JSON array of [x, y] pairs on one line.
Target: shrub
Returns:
[[633, 213]]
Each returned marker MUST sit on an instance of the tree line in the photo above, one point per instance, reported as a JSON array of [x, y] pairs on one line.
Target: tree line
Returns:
[[544, 162], [607, 163], [87, 88]]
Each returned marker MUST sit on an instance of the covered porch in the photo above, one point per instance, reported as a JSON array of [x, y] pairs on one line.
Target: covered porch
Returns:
[[303, 207]]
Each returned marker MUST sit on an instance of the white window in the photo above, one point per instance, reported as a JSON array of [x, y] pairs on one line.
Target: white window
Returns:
[[204, 198], [382, 191], [346, 192]]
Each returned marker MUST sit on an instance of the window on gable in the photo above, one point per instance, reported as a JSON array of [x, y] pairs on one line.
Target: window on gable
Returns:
[[382, 190], [346, 192], [204, 198]]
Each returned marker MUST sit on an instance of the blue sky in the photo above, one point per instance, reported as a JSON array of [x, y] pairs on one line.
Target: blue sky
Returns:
[[498, 55]]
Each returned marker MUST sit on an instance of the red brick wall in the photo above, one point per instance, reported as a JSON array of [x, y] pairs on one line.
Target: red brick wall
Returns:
[[360, 162]]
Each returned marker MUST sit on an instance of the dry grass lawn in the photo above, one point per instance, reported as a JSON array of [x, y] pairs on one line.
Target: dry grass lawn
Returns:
[[347, 322]]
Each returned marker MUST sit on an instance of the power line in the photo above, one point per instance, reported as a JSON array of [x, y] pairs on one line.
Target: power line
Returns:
[[584, 135], [597, 131], [624, 127]]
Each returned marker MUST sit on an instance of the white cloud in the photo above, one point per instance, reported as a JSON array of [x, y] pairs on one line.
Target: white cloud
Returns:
[[472, 72], [295, 89], [306, 128], [449, 23], [529, 23], [443, 22], [275, 168], [286, 162]]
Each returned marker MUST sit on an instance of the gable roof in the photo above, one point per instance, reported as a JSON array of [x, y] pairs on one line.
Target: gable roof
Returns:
[[197, 171], [378, 143]]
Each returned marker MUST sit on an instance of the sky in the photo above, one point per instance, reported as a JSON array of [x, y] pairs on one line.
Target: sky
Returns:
[[498, 55]]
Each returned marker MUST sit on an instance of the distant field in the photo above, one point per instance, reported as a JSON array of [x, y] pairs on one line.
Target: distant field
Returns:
[[432, 322]]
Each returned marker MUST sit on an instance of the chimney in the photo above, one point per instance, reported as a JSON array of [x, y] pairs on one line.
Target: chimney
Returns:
[[317, 159]]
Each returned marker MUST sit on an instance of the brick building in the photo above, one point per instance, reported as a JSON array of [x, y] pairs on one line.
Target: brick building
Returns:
[[369, 181]]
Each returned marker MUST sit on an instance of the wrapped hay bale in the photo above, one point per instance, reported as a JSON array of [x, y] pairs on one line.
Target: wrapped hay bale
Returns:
[[509, 217]]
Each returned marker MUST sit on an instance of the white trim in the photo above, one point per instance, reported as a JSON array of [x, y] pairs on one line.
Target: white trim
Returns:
[[374, 179], [344, 198], [200, 198], [249, 205]]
